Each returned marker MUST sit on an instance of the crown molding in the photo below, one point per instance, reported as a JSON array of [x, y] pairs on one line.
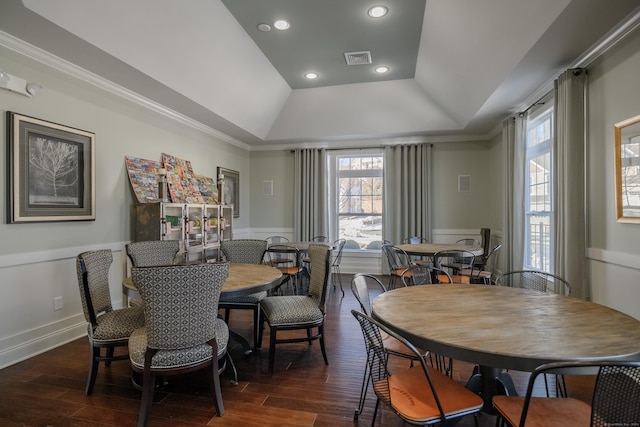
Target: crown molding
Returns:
[[35, 53]]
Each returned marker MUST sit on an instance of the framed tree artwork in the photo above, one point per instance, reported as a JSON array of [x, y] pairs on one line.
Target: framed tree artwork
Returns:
[[50, 171], [230, 186]]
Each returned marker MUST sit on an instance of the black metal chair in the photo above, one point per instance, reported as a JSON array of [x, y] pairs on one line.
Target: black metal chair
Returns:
[[418, 395], [615, 402], [360, 288]]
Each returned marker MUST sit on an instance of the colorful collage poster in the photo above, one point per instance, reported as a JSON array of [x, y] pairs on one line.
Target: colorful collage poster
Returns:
[[183, 188], [208, 189], [142, 175]]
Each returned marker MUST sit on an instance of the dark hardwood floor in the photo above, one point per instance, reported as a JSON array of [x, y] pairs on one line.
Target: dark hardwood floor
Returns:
[[48, 389]]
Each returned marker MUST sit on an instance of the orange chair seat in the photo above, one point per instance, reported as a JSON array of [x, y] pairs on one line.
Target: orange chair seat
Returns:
[[544, 411]]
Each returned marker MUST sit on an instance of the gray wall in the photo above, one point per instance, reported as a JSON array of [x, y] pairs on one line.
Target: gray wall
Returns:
[[613, 249]]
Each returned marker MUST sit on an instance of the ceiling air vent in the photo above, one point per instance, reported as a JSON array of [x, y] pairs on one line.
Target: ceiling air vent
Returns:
[[358, 58]]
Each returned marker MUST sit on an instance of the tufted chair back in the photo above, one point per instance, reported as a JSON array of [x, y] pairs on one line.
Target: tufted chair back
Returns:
[[93, 279], [152, 252], [319, 256], [246, 251], [180, 302]]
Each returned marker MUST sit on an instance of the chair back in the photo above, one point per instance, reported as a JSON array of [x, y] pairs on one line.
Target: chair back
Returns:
[[338, 246], [92, 268], [616, 393], [485, 239], [468, 242], [616, 397], [360, 289], [535, 280], [276, 239], [283, 256], [454, 258], [319, 256], [396, 257], [491, 254], [180, 302], [320, 239], [416, 275], [152, 252], [245, 251]]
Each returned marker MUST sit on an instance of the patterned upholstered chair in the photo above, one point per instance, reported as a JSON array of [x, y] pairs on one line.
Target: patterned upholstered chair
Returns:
[[182, 332], [296, 312], [107, 328], [153, 252], [246, 251]]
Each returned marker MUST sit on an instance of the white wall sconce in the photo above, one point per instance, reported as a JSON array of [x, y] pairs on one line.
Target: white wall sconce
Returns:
[[15, 84]]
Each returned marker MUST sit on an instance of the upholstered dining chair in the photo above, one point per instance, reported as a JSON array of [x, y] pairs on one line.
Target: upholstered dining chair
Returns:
[[297, 312], [182, 331], [615, 400], [152, 252], [245, 251], [106, 328], [418, 395], [360, 283]]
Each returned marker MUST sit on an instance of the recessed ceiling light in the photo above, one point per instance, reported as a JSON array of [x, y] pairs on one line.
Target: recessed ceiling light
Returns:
[[311, 75], [382, 69], [264, 27], [281, 24], [377, 11]]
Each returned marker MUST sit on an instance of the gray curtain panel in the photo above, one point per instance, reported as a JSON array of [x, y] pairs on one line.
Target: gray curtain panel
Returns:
[[310, 194]]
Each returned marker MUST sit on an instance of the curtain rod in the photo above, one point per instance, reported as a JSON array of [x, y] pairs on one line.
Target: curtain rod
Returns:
[[575, 71], [364, 148]]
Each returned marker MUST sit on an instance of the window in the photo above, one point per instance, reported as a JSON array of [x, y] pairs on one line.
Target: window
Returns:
[[356, 206], [539, 191]]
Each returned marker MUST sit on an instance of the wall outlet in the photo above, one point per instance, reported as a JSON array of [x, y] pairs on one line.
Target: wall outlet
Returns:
[[57, 303]]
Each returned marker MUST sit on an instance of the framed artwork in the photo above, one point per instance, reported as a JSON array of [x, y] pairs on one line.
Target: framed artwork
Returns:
[[50, 171], [230, 189]]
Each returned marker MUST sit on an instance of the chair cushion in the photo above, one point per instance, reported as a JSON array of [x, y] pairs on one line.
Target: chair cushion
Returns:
[[245, 299], [412, 398], [171, 359], [117, 324], [291, 310], [544, 411]]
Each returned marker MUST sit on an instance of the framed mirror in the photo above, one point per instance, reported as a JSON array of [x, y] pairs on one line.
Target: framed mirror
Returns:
[[627, 167]]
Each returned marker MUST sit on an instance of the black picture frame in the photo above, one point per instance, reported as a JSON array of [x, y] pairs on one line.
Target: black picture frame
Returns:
[[50, 171], [231, 189]]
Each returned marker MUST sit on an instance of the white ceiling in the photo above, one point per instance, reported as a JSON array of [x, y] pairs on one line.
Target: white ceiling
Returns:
[[475, 61]]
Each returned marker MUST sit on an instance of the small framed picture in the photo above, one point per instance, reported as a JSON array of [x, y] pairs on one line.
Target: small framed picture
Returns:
[[230, 189], [50, 171]]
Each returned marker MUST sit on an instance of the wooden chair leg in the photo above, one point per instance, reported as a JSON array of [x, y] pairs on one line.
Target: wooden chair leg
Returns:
[[93, 369], [272, 349], [256, 327], [322, 348]]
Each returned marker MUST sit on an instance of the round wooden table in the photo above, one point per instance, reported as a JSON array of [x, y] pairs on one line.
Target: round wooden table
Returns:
[[429, 249], [243, 279], [500, 327]]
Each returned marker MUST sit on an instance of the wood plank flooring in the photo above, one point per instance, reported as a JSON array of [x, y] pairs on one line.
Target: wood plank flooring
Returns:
[[48, 389]]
